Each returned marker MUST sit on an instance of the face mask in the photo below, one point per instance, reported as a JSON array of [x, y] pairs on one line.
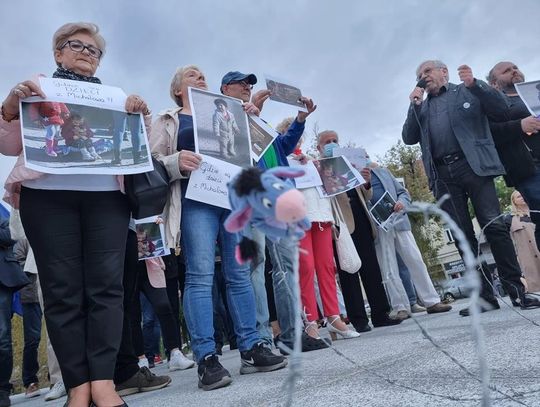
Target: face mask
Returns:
[[368, 162], [329, 148]]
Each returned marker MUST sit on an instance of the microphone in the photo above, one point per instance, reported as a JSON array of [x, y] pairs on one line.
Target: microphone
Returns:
[[421, 84]]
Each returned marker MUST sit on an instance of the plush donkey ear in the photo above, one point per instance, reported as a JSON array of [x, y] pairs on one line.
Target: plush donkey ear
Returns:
[[237, 219], [286, 172]]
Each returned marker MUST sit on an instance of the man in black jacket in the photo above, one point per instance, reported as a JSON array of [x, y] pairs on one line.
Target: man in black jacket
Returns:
[[518, 140], [460, 159]]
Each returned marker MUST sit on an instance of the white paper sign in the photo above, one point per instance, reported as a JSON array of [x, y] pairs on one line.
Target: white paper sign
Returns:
[[357, 156], [529, 92], [310, 179], [209, 183], [83, 93]]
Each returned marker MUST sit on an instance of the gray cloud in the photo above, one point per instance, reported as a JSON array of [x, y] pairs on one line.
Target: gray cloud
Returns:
[[355, 58]]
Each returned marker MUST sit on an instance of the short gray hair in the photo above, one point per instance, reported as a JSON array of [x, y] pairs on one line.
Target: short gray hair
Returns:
[[67, 30], [435, 62], [176, 82], [324, 133]]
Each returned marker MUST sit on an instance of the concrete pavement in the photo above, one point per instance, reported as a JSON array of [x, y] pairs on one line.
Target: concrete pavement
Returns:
[[392, 366]]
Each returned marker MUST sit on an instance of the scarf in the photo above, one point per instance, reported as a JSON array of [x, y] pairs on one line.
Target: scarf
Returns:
[[67, 74]]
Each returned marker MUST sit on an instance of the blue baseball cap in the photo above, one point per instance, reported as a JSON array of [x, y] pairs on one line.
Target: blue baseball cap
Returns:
[[234, 76]]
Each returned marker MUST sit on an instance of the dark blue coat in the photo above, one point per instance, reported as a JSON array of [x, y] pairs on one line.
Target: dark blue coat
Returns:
[[11, 274]]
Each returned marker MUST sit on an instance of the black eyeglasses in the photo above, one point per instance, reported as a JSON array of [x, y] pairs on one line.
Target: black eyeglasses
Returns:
[[243, 83], [78, 46]]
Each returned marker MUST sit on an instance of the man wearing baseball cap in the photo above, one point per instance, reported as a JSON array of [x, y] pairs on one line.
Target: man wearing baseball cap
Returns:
[[284, 254]]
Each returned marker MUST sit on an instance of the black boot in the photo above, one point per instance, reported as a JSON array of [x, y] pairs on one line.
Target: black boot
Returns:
[[525, 300]]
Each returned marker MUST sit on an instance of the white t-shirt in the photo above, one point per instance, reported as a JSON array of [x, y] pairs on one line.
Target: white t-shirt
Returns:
[[81, 182]]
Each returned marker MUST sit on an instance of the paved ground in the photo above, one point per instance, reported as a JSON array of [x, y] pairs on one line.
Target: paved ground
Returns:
[[393, 366]]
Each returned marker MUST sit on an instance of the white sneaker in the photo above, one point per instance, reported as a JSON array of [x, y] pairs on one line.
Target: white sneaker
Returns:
[[415, 308], [58, 390], [179, 362], [143, 362]]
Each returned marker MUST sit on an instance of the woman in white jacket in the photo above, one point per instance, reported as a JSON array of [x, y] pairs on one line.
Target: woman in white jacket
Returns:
[[317, 256]]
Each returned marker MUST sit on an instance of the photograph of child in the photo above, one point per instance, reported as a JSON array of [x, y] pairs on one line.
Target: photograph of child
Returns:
[[337, 176], [283, 93], [150, 240], [50, 116], [225, 128], [69, 138], [77, 134], [383, 211], [220, 127]]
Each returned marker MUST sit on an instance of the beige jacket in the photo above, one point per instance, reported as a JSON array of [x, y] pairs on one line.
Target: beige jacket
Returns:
[[163, 145], [527, 252], [345, 206]]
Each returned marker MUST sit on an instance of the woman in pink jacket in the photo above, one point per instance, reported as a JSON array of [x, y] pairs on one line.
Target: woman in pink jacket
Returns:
[[77, 226]]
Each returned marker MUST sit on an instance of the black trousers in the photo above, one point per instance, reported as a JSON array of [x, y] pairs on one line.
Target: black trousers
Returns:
[[79, 241], [127, 359], [174, 300], [462, 184], [162, 307], [370, 273]]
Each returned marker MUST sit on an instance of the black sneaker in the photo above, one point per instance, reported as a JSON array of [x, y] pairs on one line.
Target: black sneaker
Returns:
[[211, 374], [260, 359], [143, 380]]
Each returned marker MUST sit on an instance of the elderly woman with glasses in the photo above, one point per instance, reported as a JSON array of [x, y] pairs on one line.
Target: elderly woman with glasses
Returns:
[[77, 226]]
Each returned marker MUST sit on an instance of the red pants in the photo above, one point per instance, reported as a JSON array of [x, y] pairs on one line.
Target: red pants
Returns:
[[317, 254]]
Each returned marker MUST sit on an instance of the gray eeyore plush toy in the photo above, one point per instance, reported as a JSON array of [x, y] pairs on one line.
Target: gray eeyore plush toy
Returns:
[[268, 201]]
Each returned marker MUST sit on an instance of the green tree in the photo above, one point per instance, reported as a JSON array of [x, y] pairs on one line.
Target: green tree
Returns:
[[405, 162], [504, 193]]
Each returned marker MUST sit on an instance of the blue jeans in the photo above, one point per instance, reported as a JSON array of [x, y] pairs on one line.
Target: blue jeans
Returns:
[[151, 329], [6, 351], [202, 226], [530, 191], [405, 277], [284, 257], [134, 124], [259, 288], [32, 335]]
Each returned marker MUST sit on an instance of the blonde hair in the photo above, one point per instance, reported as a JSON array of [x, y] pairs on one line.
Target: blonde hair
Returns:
[[176, 82], [284, 125], [521, 210], [67, 30]]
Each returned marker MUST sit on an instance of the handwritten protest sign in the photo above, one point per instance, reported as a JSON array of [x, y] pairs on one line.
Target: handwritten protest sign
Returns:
[[209, 183], [83, 93]]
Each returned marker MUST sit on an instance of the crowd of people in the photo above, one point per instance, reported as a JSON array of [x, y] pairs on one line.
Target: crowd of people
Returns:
[[72, 249]]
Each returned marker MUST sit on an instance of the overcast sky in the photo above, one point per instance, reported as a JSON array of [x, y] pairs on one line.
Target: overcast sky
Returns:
[[356, 59]]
